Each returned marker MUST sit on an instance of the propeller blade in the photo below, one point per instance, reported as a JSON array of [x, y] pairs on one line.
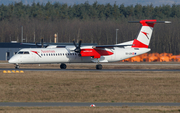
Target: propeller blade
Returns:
[[79, 44], [42, 43], [78, 48], [74, 44]]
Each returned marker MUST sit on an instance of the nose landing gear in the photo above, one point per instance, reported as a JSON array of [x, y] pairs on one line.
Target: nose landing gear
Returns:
[[17, 66]]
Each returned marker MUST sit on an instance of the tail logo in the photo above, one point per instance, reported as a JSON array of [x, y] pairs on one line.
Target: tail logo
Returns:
[[145, 34]]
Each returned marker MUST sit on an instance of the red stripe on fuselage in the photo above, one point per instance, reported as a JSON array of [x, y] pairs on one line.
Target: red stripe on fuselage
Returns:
[[36, 53], [96, 53], [138, 44]]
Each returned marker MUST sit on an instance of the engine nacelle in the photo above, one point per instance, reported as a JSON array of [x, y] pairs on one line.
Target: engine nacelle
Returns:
[[95, 53]]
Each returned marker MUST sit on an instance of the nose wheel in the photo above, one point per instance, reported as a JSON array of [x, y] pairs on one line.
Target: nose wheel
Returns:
[[63, 66], [17, 67]]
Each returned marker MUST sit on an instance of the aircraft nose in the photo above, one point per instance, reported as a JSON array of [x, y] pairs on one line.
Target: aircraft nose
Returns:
[[12, 60]]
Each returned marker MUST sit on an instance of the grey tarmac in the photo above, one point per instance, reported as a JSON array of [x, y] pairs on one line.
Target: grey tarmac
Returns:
[[103, 70], [71, 104]]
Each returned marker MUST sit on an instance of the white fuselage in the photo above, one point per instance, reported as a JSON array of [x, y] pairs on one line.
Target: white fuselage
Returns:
[[64, 55]]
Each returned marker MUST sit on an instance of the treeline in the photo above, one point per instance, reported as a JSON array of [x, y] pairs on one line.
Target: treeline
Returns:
[[96, 23], [165, 38], [86, 11]]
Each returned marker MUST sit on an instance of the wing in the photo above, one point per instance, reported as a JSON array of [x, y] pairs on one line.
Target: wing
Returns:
[[38, 45], [110, 46]]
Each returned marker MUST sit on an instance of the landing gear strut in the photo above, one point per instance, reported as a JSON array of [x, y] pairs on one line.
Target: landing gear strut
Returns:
[[63, 66], [17, 66], [98, 66]]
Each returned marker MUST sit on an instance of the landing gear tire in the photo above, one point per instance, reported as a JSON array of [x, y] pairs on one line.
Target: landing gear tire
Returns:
[[63, 66], [98, 66], [17, 67]]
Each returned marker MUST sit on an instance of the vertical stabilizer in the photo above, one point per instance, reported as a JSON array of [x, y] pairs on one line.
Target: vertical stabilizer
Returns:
[[145, 34]]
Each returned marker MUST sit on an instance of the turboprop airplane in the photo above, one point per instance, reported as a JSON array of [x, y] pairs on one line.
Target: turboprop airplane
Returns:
[[88, 54]]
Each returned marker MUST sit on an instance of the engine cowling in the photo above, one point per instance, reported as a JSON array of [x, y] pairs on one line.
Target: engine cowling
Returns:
[[95, 53]]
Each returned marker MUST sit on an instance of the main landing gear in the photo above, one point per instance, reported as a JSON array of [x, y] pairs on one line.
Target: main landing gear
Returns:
[[63, 66], [98, 66]]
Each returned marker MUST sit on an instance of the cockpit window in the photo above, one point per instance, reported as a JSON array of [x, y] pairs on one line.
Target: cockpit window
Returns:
[[20, 52], [23, 52], [26, 52]]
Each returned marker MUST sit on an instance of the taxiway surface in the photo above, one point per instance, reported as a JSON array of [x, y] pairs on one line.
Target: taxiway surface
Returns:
[[103, 70], [53, 104]]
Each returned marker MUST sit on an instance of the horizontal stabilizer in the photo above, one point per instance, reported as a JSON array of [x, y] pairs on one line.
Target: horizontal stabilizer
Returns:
[[149, 21], [110, 46]]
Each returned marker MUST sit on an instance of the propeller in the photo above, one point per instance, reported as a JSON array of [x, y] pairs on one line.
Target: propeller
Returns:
[[42, 42], [41, 45], [78, 47]]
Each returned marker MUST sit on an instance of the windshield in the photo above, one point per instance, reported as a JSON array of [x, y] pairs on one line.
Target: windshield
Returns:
[[23, 52]]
